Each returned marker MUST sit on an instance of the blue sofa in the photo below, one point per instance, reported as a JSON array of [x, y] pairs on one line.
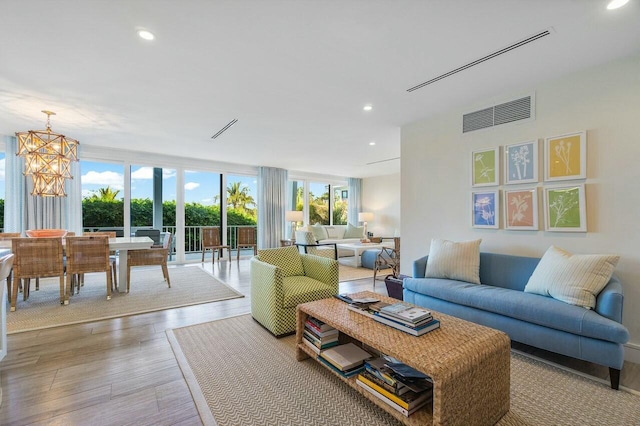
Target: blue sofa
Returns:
[[501, 303]]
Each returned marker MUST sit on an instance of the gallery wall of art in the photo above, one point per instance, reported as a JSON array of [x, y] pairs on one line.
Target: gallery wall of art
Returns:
[[438, 171]]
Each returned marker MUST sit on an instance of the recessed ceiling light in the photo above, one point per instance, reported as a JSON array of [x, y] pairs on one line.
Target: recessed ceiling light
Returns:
[[614, 4], [147, 35], [372, 143], [368, 107]]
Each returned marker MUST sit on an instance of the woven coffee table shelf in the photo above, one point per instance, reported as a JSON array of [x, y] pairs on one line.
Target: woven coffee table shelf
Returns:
[[469, 363]]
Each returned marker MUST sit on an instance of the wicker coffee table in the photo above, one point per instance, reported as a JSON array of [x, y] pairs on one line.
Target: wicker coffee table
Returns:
[[468, 363]]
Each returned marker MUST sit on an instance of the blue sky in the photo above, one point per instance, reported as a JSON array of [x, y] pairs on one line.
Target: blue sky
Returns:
[[200, 187]]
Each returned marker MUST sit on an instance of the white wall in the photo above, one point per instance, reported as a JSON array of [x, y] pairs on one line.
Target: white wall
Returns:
[[381, 196], [604, 101]]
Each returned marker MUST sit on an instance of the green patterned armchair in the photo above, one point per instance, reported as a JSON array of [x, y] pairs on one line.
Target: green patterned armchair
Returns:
[[283, 278]]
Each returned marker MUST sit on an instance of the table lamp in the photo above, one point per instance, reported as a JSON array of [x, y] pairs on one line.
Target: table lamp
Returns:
[[293, 216], [365, 217]]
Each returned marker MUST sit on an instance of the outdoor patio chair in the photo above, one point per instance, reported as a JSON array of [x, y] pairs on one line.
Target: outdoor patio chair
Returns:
[[247, 239], [211, 240]]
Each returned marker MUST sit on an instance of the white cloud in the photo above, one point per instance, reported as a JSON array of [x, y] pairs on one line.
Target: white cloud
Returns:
[[147, 173], [112, 179], [2, 169], [191, 185]]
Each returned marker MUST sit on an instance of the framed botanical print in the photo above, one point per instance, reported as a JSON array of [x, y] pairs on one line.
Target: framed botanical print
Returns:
[[485, 211], [565, 157], [485, 167], [521, 163], [521, 209], [565, 209]]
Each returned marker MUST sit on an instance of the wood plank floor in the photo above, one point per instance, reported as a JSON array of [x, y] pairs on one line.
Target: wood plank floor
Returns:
[[123, 371]]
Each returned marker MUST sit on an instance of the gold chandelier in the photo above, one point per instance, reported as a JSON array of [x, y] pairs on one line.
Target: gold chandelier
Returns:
[[48, 158]]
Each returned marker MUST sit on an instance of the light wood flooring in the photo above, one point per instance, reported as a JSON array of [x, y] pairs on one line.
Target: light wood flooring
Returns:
[[123, 371]]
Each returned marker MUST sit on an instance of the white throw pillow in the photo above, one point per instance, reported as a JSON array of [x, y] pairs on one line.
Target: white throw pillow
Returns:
[[572, 278], [455, 261], [335, 233]]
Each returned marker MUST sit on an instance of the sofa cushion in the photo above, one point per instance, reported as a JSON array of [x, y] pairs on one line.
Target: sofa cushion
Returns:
[[354, 231], [536, 309], [506, 271], [301, 289], [286, 258], [454, 260], [571, 278], [318, 231], [335, 232]]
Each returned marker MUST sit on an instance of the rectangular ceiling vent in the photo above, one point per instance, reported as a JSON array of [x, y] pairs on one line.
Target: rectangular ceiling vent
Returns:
[[508, 112]]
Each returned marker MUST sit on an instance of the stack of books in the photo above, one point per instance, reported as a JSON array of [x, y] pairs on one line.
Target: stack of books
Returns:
[[319, 336], [408, 318], [406, 390], [346, 360]]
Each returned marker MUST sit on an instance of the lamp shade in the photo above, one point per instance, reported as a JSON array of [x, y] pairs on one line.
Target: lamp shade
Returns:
[[293, 216], [365, 217]]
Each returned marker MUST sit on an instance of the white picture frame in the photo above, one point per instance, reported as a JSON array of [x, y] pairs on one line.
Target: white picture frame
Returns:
[[565, 208], [521, 209], [565, 157], [485, 167], [485, 209], [521, 162]]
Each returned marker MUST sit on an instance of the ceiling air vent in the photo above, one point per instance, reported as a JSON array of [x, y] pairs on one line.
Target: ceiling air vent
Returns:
[[225, 128], [478, 61], [508, 112]]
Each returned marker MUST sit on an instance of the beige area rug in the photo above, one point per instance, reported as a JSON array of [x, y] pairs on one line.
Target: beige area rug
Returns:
[[349, 273], [149, 292], [239, 373]]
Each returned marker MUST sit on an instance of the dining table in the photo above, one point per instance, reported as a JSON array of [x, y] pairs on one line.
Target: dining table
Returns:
[[120, 244]]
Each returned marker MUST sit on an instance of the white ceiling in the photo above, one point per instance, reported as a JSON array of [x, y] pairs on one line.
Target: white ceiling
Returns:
[[295, 74]]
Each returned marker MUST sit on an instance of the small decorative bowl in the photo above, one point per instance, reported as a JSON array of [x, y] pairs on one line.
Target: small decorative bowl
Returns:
[[46, 233]]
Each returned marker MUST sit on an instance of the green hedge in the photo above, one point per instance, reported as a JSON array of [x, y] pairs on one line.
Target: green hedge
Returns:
[[99, 213]]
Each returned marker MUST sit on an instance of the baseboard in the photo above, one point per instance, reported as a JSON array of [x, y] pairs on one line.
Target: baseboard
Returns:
[[632, 353]]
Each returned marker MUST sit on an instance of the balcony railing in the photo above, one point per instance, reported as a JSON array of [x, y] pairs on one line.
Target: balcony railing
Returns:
[[192, 235]]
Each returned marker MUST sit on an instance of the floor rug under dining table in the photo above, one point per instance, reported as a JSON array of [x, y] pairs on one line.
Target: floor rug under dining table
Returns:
[[149, 292], [238, 373]]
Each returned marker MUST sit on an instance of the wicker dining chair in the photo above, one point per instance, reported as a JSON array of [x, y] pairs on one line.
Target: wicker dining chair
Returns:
[[36, 258], [148, 257], [87, 254], [112, 256], [211, 240], [247, 239]]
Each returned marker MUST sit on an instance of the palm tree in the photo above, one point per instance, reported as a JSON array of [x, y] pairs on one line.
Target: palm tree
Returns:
[[239, 199], [106, 194]]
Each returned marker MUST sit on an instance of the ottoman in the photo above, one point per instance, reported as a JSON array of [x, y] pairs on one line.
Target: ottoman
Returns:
[[368, 258]]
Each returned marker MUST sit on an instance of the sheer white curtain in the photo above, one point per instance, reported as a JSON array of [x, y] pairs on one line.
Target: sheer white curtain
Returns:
[[355, 200], [14, 187], [272, 201], [25, 211]]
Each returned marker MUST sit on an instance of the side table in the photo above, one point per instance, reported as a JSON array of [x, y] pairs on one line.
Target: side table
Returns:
[[287, 243]]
